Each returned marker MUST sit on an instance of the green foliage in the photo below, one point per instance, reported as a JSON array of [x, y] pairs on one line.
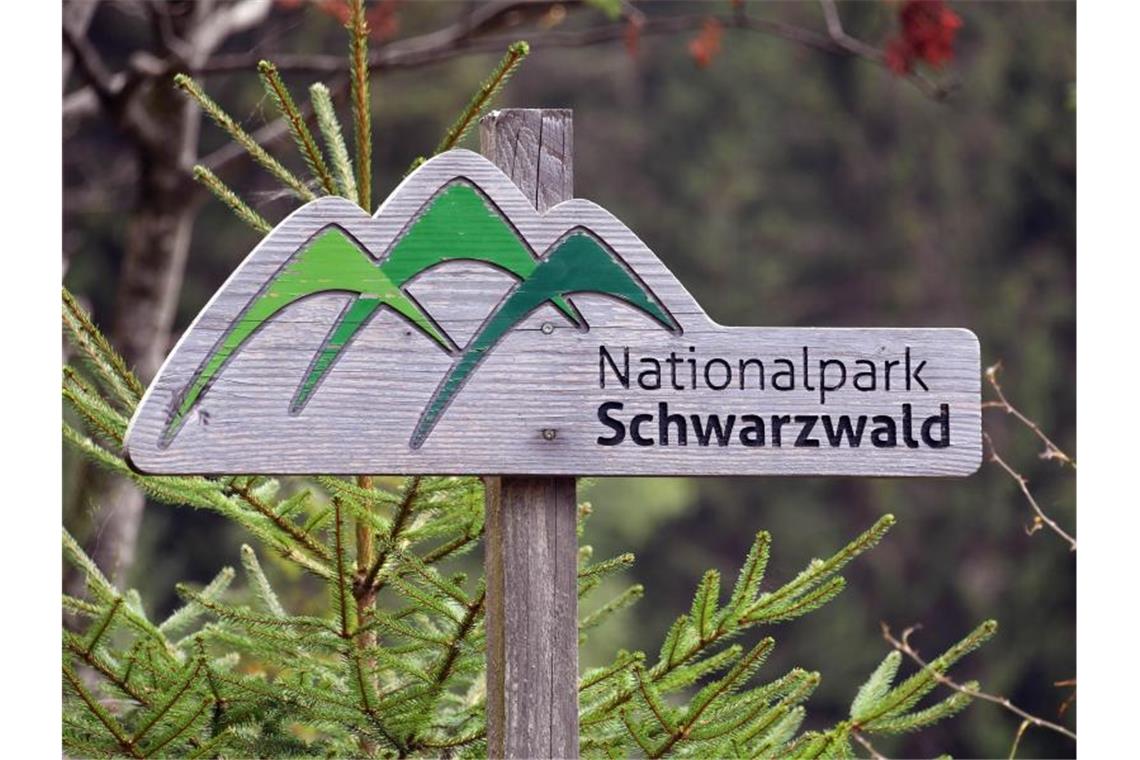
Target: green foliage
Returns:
[[499, 76], [392, 664], [235, 673]]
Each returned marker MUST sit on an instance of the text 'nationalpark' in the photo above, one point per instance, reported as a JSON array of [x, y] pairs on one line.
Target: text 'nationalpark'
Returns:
[[656, 424]]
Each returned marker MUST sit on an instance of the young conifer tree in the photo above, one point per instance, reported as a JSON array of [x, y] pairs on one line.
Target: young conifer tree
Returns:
[[235, 674]]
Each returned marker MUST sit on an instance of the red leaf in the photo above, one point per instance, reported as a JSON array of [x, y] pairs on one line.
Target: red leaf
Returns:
[[927, 31], [706, 45], [631, 35]]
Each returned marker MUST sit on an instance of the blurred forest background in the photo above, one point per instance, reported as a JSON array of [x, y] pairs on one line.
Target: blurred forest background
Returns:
[[784, 186]]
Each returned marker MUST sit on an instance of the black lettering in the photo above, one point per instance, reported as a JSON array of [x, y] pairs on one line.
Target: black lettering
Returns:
[[915, 373], [603, 357], [943, 420], [693, 369], [673, 361], [884, 436], [744, 363], [635, 429], [807, 377], [823, 385], [843, 429], [871, 371], [887, 373], [790, 372], [705, 433], [727, 374], [778, 421], [808, 421], [752, 434], [653, 373], [619, 429], [664, 419], [908, 432]]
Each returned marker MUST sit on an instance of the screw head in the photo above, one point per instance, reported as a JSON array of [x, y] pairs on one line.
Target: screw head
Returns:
[[547, 328], [549, 434]]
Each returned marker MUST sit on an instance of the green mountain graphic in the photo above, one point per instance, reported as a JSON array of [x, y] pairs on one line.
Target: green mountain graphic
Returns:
[[331, 263], [459, 223], [577, 264]]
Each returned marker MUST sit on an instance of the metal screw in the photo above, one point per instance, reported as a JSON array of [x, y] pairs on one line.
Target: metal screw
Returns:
[[547, 328], [549, 434]]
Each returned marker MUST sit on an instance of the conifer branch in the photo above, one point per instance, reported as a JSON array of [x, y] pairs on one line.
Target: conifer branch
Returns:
[[286, 526], [361, 102], [227, 196], [624, 661], [619, 602], [261, 584], [110, 366], [243, 138], [334, 140], [302, 136], [447, 663], [486, 93], [902, 644], [178, 729], [120, 682], [342, 590], [101, 714], [178, 692], [95, 411], [399, 522], [101, 627]]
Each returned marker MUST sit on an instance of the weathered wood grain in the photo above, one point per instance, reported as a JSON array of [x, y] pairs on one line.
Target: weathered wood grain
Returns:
[[531, 406], [532, 542], [532, 617]]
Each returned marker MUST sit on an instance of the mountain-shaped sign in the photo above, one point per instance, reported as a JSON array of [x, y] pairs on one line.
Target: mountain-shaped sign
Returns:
[[460, 331]]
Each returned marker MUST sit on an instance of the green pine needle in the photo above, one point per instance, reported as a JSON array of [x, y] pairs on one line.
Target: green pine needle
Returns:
[[321, 99], [483, 98], [876, 687], [361, 102], [227, 196], [243, 138], [279, 94], [106, 361]]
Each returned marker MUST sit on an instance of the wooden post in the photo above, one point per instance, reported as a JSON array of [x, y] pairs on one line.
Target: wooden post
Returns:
[[532, 541]]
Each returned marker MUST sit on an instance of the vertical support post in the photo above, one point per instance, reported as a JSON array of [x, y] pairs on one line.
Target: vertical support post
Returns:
[[532, 540]]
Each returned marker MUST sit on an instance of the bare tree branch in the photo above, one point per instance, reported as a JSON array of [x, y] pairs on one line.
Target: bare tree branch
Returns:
[[1040, 519], [1052, 450], [224, 23], [90, 65], [76, 16], [473, 33]]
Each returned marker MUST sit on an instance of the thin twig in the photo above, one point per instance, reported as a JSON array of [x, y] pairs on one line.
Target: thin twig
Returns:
[[1069, 699], [1025, 724], [1052, 450], [1040, 519], [902, 645], [874, 753]]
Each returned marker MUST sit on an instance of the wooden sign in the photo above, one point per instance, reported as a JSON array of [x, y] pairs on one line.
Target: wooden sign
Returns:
[[461, 331]]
